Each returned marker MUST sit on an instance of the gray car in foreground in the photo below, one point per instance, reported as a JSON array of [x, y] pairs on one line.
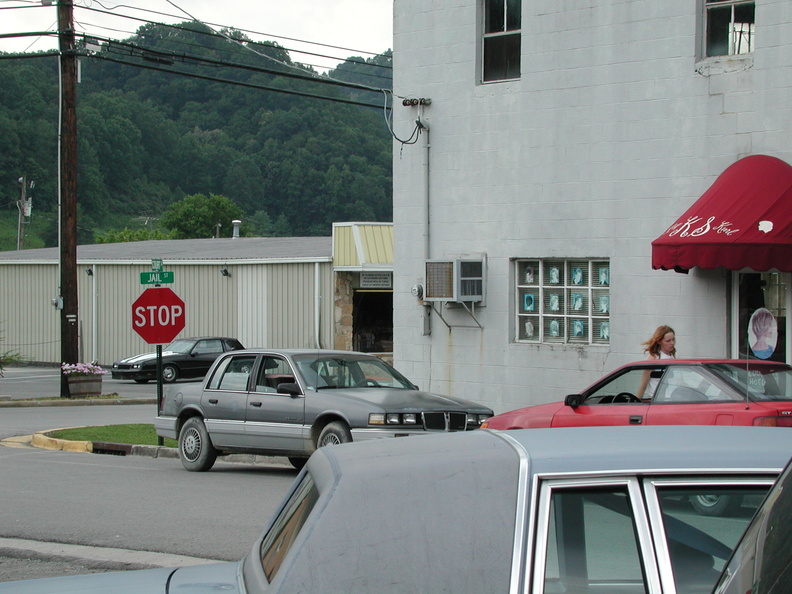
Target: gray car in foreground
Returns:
[[762, 562], [585, 510], [290, 402]]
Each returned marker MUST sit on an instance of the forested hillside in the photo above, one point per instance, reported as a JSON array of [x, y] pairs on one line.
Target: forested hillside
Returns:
[[294, 163]]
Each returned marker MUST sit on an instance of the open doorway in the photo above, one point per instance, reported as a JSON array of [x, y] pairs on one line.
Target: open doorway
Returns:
[[372, 326]]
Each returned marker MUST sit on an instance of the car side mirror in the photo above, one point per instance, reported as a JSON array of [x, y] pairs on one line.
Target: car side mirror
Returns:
[[290, 388], [573, 400]]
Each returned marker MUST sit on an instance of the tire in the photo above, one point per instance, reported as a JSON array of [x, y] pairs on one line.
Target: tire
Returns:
[[170, 374], [716, 505], [196, 451], [298, 463], [141, 381], [334, 433]]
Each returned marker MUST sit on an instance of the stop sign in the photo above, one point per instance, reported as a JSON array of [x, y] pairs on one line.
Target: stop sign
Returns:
[[158, 315]]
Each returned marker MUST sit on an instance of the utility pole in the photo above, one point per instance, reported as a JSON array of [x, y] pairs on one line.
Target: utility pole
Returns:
[[24, 206], [68, 188]]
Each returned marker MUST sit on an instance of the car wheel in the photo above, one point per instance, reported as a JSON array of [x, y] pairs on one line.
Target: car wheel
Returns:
[[141, 381], [333, 434], [170, 374], [716, 505], [195, 448], [298, 463]]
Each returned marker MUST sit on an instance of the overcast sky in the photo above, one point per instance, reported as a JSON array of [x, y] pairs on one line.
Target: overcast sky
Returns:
[[361, 25]]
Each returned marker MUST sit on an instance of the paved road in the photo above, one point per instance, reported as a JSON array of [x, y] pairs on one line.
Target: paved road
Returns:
[[44, 382], [121, 508]]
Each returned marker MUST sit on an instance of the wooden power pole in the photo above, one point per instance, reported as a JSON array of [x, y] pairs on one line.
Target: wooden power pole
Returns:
[[68, 188]]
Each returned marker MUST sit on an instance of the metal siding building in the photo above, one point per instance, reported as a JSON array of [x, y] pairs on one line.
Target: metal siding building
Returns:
[[278, 293]]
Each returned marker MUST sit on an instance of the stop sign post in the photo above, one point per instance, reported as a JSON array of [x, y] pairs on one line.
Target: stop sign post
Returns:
[[158, 315]]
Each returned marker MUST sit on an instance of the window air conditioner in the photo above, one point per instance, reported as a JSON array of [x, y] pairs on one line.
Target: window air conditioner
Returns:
[[456, 281]]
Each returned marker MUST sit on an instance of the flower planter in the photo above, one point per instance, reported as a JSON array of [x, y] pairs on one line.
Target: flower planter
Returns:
[[84, 386]]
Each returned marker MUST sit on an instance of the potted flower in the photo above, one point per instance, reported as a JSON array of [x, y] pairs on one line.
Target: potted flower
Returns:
[[85, 379]]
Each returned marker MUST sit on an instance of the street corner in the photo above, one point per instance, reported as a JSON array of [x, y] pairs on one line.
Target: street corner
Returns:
[[21, 441], [44, 441]]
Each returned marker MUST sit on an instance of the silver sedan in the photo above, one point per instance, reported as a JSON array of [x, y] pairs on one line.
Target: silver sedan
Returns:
[[290, 402]]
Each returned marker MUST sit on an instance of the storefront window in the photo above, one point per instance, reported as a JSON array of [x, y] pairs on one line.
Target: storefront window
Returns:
[[762, 316]]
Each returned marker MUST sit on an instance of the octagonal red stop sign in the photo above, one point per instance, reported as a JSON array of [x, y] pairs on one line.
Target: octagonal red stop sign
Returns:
[[158, 315]]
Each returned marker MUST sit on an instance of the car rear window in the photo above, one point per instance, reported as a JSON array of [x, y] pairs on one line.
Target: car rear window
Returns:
[[759, 382], [287, 525]]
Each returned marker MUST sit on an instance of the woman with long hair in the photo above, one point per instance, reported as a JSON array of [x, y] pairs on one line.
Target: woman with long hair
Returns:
[[661, 345]]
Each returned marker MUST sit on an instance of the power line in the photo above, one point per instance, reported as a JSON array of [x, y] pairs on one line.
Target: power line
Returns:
[[215, 34], [150, 53], [238, 83], [265, 44], [109, 11]]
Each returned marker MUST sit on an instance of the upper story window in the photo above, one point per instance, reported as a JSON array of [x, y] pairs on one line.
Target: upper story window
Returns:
[[501, 43], [730, 27]]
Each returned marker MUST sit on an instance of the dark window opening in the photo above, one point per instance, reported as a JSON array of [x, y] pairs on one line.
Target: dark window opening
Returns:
[[730, 27], [502, 39]]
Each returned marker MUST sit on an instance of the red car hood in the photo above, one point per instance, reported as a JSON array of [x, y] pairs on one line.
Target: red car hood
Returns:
[[529, 417]]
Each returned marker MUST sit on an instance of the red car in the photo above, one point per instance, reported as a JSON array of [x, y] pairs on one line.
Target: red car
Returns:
[[670, 392]]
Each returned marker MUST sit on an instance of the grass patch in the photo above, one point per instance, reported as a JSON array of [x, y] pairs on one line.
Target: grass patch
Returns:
[[135, 434]]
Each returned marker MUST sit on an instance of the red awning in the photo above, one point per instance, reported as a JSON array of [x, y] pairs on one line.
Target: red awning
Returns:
[[744, 220]]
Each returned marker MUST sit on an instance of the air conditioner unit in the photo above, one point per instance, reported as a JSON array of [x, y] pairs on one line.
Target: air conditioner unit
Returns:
[[456, 281]]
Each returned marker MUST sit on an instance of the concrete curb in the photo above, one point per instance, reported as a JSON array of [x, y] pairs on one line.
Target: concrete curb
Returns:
[[124, 558], [44, 441], [75, 402]]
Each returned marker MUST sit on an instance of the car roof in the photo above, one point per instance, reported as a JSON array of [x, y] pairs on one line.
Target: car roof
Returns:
[[425, 502], [633, 449], [204, 338], [294, 352], [737, 362]]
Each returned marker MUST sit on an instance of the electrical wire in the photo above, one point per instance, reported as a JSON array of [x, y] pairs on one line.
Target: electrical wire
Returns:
[[149, 53], [305, 74], [231, 52], [236, 82], [221, 34]]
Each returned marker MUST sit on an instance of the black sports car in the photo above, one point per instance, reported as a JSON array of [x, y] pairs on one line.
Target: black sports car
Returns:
[[183, 358]]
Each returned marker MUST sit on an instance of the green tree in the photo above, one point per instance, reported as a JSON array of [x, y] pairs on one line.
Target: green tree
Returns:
[[126, 234], [198, 215]]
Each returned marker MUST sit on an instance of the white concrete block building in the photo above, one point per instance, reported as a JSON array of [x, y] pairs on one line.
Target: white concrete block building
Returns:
[[563, 138]]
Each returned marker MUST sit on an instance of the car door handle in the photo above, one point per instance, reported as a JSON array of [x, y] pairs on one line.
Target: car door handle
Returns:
[[636, 420], [213, 401], [256, 404]]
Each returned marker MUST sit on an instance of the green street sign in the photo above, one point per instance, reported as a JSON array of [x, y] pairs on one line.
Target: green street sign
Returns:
[[156, 264], [156, 278]]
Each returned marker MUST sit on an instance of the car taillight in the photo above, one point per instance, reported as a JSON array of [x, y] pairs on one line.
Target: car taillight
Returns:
[[773, 421]]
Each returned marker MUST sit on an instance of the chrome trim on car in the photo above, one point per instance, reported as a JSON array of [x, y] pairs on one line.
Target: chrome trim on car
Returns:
[[523, 518], [655, 512], [535, 583], [362, 434]]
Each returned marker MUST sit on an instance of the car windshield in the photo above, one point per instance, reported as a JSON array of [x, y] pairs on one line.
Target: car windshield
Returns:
[[759, 382], [180, 346], [322, 372]]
